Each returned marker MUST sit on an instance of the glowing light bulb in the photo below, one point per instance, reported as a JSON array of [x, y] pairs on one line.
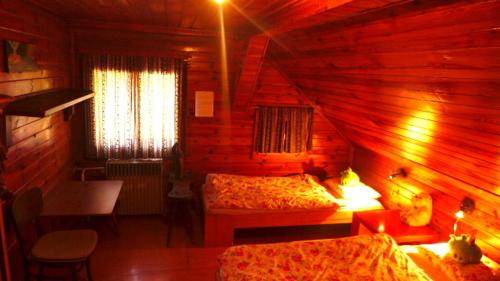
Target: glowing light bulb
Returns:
[[381, 228], [459, 215]]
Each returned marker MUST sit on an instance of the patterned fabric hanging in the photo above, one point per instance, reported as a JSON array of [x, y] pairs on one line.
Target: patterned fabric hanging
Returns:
[[283, 129]]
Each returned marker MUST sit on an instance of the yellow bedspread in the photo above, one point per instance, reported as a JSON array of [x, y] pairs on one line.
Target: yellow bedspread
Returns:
[[248, 192], [358, 258]]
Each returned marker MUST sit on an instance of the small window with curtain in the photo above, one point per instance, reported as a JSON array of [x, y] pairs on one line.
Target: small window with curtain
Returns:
[[136, 109], [283, 129]]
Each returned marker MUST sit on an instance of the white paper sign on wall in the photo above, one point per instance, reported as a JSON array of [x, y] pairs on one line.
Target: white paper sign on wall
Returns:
[[204, 104]]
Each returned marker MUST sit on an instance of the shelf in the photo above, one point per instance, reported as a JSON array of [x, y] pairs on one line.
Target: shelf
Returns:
[[45, 103]]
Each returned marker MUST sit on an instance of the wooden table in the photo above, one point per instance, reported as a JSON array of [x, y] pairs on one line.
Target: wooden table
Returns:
[[76, 198], [389, 221]]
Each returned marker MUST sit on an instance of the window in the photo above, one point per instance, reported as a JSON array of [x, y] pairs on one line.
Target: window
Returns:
[[283, 129], [136, 108]]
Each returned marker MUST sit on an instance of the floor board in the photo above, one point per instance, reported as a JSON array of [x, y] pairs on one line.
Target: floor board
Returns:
[[139, 253]]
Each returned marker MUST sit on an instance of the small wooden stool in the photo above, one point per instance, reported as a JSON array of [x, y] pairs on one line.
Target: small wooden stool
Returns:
[[179, 199]]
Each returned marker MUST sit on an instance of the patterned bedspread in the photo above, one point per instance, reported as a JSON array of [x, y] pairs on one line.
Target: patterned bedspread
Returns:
[[249, 192], [363, 258]]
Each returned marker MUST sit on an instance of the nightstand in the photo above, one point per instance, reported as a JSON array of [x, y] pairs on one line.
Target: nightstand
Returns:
[[389, 221]]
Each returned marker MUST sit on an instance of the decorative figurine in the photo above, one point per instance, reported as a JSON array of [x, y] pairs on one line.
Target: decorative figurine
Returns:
[[419, 212], [348, 177], [463, 249]]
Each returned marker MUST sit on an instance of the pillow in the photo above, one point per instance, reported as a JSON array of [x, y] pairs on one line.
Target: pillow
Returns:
[[359, 204], [419, 212], [358, 190]]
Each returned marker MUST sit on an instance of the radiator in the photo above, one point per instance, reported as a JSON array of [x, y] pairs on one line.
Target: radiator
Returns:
[[143, 190]]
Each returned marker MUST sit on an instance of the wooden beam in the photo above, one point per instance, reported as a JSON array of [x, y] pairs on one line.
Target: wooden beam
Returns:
[[308, 101], [252, 64], [320, 12], [302, 13], [144, 28]]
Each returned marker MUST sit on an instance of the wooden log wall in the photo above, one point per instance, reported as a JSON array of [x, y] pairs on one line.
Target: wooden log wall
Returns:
[[40, 150], [223, 143], [417, 87]]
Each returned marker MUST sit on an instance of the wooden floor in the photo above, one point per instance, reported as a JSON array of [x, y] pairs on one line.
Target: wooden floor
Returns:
[[140, 254]]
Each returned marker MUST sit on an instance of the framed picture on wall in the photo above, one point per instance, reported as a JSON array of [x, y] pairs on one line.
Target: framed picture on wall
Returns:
[[20, 57]]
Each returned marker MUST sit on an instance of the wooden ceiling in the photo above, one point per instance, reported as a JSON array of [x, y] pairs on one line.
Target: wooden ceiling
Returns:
[[191, 14], [201, 14]]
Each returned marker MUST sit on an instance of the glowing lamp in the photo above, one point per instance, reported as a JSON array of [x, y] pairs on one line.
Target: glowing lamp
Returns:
[[219, 1], [381, 228], [459, 215], [466, 206]]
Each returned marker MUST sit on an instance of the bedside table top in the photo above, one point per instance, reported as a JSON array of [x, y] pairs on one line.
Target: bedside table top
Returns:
[[389, 221]]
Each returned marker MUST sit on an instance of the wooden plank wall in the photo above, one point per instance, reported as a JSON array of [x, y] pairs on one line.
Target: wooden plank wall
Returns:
[[223, 143], [414, 87], [250, 71], [39, 148], [204, 62], [40, 152]]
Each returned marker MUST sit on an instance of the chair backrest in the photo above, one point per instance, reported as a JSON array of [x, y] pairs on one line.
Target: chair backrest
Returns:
[[26, 206]]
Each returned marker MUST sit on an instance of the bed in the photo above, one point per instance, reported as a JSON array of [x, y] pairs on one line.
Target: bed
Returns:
[[364, 257], [234, 201]]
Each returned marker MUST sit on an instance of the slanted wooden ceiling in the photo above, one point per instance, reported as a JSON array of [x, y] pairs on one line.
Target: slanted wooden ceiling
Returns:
[[192, 14], [202, 14]]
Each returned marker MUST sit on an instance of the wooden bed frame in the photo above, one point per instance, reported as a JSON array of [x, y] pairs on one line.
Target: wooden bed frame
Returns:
[[221, 223]]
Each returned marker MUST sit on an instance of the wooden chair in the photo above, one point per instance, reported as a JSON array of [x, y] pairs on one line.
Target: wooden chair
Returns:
[[83, 172], [179, 201], [60, 249]]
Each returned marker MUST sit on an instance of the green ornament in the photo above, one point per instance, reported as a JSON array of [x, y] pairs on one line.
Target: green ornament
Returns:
[[463, 249], [348, 177]]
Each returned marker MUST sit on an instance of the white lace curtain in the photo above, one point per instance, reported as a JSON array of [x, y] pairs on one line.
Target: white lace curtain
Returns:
[[135, 111]]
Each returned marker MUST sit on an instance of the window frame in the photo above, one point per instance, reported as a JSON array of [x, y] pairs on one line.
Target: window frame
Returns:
[[182, 103]]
